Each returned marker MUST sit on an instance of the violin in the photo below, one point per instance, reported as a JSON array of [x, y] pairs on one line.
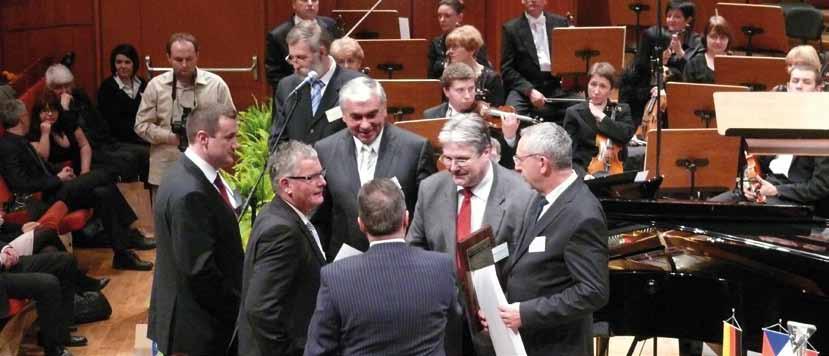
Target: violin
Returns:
[[494, 115], [751, 173], [608, 161]]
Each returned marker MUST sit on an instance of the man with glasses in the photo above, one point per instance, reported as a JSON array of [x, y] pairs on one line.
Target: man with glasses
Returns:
[[276, 47], [473, 191], [556, 274], [370, 148], [310, 113], [284, 257]]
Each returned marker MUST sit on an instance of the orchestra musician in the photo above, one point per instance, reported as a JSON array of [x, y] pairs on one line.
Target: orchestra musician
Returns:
[[450, 16], [716, 42], [348, 54], [462, 46], [598, 115]]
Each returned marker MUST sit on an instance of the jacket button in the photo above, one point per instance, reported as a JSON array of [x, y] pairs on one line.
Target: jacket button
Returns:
[[312, 130]]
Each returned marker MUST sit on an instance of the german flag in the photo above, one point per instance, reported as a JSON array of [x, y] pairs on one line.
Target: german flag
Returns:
[[731, 340]]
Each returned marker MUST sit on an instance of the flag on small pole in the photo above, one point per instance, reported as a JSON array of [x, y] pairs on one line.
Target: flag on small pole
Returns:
[[777, 342], [732, 335]]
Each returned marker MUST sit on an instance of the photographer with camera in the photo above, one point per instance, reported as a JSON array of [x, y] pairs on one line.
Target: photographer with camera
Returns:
[[169, 99]]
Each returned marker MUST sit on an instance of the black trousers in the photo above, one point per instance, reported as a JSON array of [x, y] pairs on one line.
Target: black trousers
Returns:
[[97, 191], [127, 161], [49, 279], [553, 112]]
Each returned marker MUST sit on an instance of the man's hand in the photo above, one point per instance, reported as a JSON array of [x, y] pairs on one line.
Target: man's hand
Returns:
[[65, 100], [10, 257], [509, 126], [29, 226], [761, 187], [511, 316], [66, 174], [537, 99]]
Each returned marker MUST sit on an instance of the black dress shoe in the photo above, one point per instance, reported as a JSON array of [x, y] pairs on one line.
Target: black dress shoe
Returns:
[[90, 284], [130, 261], [76, 341], [138, 241], [58, 352]]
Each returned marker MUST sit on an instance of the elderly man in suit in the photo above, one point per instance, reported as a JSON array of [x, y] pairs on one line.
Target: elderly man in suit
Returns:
[[557, 276], [349, 320], [276, 47], [526, 60], [284, 257], [369, 148], [472, 192], [198, 278], [309, 113]]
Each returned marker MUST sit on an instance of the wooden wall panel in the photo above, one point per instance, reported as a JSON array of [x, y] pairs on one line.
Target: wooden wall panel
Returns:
[[120, 23], [30, 14]]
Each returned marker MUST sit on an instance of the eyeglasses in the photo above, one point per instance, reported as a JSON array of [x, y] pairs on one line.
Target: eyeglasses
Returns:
[[459, 162], [311, 178], [289, 58], [518, 159]]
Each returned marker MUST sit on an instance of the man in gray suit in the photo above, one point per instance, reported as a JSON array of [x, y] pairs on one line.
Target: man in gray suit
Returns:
[[369, 148], [472, 192], [557, 277], [396, 311]]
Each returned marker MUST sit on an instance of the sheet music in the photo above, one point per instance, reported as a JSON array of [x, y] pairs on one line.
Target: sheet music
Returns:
[[347, 251], [403, 22], [490, 296]]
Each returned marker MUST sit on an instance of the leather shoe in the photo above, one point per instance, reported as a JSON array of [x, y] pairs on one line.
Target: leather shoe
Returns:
[[76, 341], [129, 260], [138, 241], [90, 284], [58, 352]]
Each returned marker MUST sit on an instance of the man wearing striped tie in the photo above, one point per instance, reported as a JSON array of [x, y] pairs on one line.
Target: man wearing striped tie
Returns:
[[306, 105], [283, 259]]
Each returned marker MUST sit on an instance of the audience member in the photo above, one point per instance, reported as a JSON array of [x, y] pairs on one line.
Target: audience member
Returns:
[[120, 95], [450, 16], [60, 140]]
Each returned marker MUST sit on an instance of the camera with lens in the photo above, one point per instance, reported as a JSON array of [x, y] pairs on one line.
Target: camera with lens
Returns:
[[180, 128]]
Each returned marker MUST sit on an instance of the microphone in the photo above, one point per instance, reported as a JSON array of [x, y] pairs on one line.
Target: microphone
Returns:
[[312, 75]]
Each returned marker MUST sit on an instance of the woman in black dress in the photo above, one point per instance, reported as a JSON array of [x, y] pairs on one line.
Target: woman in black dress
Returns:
[[120, 94], [450, 16], [462, 46], [717, 41]]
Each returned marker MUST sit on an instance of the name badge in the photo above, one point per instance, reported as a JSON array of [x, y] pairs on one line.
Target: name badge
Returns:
[[539, 244], [334, 114], [500, 252]]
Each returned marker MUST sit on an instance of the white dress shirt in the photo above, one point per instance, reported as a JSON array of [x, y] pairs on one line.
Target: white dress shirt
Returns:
[[131, 91], [367, 160], [781, 164], [553, 195], [480, 194], [210, 173], [538, 27], [372, 243]]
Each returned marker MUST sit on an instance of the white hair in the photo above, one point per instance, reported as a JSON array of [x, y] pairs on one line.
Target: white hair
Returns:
[[58, 74]]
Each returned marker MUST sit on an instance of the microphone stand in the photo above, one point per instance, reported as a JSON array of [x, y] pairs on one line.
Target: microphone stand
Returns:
[[271, 151], [660, 85]]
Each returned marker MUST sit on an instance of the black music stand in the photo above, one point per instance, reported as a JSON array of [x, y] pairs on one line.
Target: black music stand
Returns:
[[576, 47], [760, 27], [637, 13]]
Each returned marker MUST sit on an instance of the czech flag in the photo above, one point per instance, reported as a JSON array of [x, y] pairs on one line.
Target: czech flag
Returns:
[[811, 353], [731, 340], [776, 343]]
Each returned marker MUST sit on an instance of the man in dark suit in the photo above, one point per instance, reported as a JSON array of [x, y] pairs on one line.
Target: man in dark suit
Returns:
[[284, 257], [196, 287], [315, 114], [472, 192], [276, 47], [459, 87], [27, 173], [369, 148], [396, 311], [526, 59], [557, 276]]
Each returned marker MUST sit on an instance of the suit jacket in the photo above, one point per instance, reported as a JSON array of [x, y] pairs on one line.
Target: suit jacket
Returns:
[[198, 273], [21, 167], [582, 127], [305, 126], [507, 151], [403, 155], [281, 279], [400, 310], [519, 59], [433, 225], [807, 182], [276, 48], [560, 287]]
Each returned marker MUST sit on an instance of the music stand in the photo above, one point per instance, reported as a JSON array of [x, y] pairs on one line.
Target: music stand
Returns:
[[757, 73], [402, 104], [576, 47], [756, 27], [428, 128], [694, 160], [380, 24], [636, 13], [692, 105], [398, 59]]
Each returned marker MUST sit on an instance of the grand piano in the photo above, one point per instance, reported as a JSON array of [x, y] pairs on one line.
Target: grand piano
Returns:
[[679, 267]]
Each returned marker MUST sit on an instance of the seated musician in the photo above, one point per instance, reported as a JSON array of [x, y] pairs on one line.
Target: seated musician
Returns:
[[678, 40], [462, 46], [348, 54], [795, 179], [458, 81], [598, 116], [804, 55], [716, 42], [450, 16]]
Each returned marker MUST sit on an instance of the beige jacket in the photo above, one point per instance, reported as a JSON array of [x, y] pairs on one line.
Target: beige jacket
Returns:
[[152, 122]]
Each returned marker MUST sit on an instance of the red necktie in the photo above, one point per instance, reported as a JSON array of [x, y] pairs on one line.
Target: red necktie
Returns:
[[222, 191], [463, 226]]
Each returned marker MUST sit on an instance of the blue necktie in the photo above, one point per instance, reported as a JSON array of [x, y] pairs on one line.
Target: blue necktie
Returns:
[[316, 95]]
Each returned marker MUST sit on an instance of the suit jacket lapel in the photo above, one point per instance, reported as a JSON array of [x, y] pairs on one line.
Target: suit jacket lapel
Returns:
[[309, 237], [386, 154], [450, 196], [494, 212], [526, 34], [207, 186], [349, 163]]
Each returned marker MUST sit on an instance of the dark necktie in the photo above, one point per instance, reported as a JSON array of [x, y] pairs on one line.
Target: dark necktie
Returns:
[[539, 207], [222, 191]]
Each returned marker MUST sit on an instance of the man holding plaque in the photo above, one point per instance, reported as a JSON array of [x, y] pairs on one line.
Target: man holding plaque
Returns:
[[557, 276], [479, 192]]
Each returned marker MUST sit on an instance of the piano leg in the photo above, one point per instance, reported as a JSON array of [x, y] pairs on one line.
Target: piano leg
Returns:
[[636, 340], [602, 345]]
